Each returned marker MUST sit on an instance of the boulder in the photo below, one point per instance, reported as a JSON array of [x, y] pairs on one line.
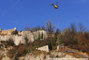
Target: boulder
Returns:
[[18, 39], [44, 48]]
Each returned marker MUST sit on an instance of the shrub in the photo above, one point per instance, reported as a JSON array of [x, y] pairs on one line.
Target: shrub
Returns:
[[39, 37], [26, 39], [15, 32], [11, 42]]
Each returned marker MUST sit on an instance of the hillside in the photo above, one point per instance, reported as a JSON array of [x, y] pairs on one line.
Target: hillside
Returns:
[[42, 43]]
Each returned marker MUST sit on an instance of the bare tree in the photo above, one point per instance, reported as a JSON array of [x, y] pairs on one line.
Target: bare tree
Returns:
[[43, 28], [73, 28], [57, 32], [50, 27], [81, 28], [32, 29], [35, 28], [27, 29]]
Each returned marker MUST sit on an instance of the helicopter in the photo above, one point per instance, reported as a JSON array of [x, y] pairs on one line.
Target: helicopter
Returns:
[[55, 5]]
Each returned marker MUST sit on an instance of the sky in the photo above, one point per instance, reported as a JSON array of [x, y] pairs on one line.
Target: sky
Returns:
[[31, 13]]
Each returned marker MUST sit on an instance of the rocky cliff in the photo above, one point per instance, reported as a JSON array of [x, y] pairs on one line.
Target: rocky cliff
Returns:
[[21, 37]]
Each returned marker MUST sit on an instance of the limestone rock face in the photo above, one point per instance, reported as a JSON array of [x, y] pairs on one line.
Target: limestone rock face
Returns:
[[5, 58], [41, 33], [31, 36], [15, 38], [18, 39], [5, 38], [28, 35], [8, 32]]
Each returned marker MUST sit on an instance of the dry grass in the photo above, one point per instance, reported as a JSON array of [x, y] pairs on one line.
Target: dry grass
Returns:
[[38, 52], [77, 54]]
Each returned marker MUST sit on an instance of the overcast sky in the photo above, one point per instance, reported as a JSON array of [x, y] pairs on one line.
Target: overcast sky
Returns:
[[30, 13]]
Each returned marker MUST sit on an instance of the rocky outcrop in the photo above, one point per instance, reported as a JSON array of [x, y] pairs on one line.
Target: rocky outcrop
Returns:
[[6, 58], [5, 38], [41, 55], [31, 36], [28, 35], [15, 38], [32, 56], [53, 55], [44, 48], [3, 54], [18, 39], [8, 32], [21, 37], [40, 33]]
